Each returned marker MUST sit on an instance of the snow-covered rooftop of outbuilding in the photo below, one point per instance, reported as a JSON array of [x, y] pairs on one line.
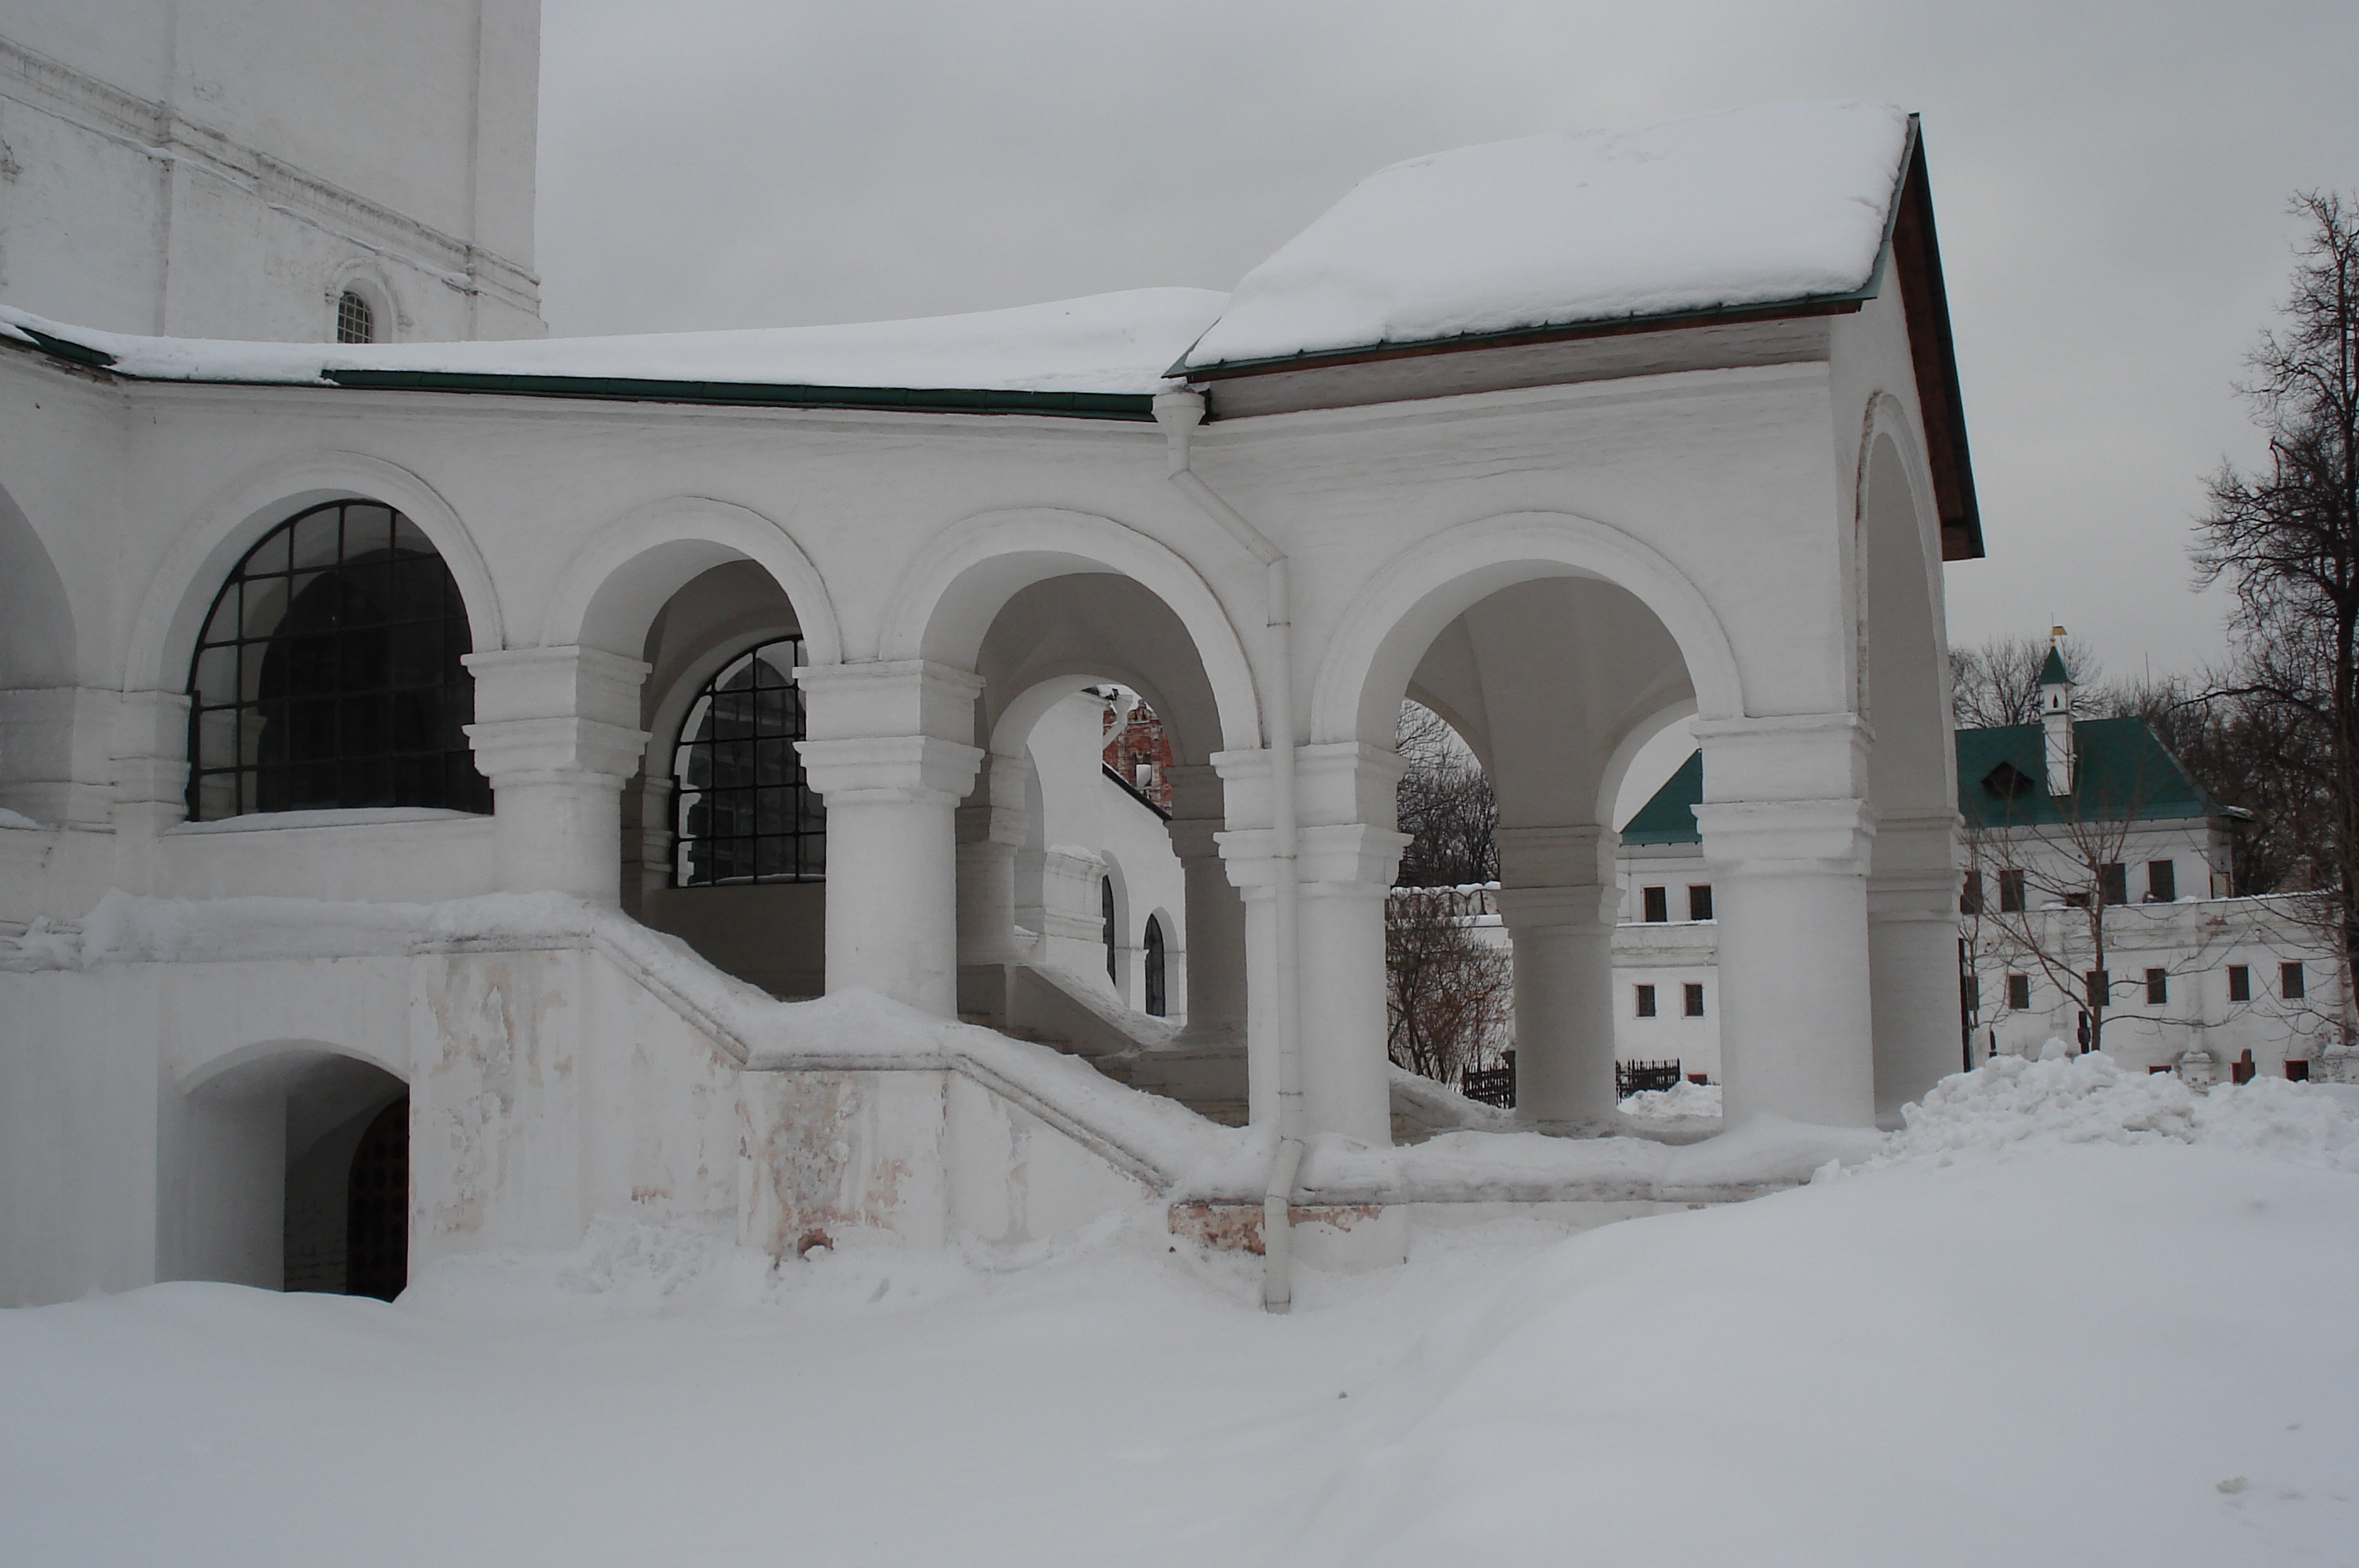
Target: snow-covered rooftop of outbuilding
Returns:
[[1742, 209], [1102, 343]]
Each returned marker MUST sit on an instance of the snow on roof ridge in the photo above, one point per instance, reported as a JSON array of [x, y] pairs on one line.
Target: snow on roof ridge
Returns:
[[1115, 343], [1733, 209]]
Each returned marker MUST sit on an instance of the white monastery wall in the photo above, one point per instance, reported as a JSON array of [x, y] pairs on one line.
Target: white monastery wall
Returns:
[[225, 168]]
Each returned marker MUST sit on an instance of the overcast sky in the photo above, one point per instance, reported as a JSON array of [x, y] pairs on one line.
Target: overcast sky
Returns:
[[2109, 178]]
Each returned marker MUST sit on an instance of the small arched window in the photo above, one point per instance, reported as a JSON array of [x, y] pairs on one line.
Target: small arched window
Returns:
[[355, 319], [328, 674], [743, 811], [1157, 1001], [1105, 910]]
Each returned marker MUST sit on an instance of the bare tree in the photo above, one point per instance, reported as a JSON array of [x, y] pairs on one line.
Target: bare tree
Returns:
[[2287, 538], [1445, 805], [1998, 684], [1449, 996]]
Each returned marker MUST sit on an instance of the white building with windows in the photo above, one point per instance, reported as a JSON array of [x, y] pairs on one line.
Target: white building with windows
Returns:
[[2097, 908], [497, 729]]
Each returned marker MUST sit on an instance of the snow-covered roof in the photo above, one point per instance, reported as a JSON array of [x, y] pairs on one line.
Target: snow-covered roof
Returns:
[[1742, 208], [1102, 344]]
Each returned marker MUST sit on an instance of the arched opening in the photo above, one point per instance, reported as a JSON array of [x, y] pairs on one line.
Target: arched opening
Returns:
[[1158, 1003], [328, 674], [1543, 683], [1075, 800], [725, 843], [37, 674], [292, 1175]]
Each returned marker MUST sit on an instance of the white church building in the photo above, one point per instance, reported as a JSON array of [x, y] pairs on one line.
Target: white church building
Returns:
[[464, 787]]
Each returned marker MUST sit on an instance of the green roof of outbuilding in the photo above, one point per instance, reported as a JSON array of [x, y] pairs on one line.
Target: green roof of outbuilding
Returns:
[[2053, 673], [1669, 816], [2124, 773]]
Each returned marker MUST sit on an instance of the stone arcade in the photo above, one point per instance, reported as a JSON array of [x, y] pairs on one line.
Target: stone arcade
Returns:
[[1600, 432]]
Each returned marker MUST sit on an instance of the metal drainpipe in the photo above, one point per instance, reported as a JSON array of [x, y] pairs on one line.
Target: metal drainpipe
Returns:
[[1180, 413]]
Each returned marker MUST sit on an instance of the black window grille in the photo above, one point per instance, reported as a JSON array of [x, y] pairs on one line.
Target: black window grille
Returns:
[[1693, 997], [2113, 883], [2162, 881], [2240, 983], [2010, 892], [1699, 902], [355, 322], [1645, 1001], [1657, 904], [1105, 911], [742, 810], [2018, 992], [1157, 1000], [328, 674], [2290, 982]]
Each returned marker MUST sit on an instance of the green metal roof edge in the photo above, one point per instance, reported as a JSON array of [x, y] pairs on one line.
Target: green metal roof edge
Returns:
[[65, 349], [1129, 406], [1769, 309]]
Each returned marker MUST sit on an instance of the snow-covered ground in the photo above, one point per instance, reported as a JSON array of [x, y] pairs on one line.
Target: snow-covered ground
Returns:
[[2070, 1316]]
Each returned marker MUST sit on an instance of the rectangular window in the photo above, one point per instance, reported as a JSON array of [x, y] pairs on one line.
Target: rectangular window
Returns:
[[2113, 883], [1658, 904], [2162, 881], [1970, 995], [1695, 1001], [2018, 992], [1645, 1001], [1970, 900], [2101, 986], [2157, 986], [2240, 983], [2289, 982], [1699, 902], [2010, 892]]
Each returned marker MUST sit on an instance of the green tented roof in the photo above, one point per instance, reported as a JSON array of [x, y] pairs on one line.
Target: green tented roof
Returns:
[[2124, 775], [2053, 673]]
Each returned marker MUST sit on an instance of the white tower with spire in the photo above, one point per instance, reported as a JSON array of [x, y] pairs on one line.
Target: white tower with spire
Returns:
[[2056, 715]]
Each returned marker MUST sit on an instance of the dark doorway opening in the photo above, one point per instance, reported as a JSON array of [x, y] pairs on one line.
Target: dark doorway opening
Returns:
[[378, 1207]]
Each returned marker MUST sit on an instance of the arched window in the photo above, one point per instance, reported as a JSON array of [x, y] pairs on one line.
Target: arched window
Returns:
[[356, 320], [1157, 1001], [743, 811], [1105, 908], [329, 675]]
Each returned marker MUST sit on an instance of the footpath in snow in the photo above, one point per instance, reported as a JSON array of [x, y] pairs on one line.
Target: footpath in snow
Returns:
[[2069, 1316]]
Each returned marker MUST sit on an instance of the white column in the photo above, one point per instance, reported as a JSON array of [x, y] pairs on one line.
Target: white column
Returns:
[[1557, 899], [1344, 867], [889, 747], [1787, 832], [557, 732], [1912, 953], [150, 762], [989, 831], [1214, 934]]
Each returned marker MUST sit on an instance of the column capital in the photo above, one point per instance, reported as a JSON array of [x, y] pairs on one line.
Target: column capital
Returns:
[[1556, 856], [559, 712], [1333, 858], [1775, 837], [1789, 757], [896, 697], [859, 769]]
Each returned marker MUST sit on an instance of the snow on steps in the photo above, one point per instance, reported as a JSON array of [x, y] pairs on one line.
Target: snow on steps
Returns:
[[1161, 1143]]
